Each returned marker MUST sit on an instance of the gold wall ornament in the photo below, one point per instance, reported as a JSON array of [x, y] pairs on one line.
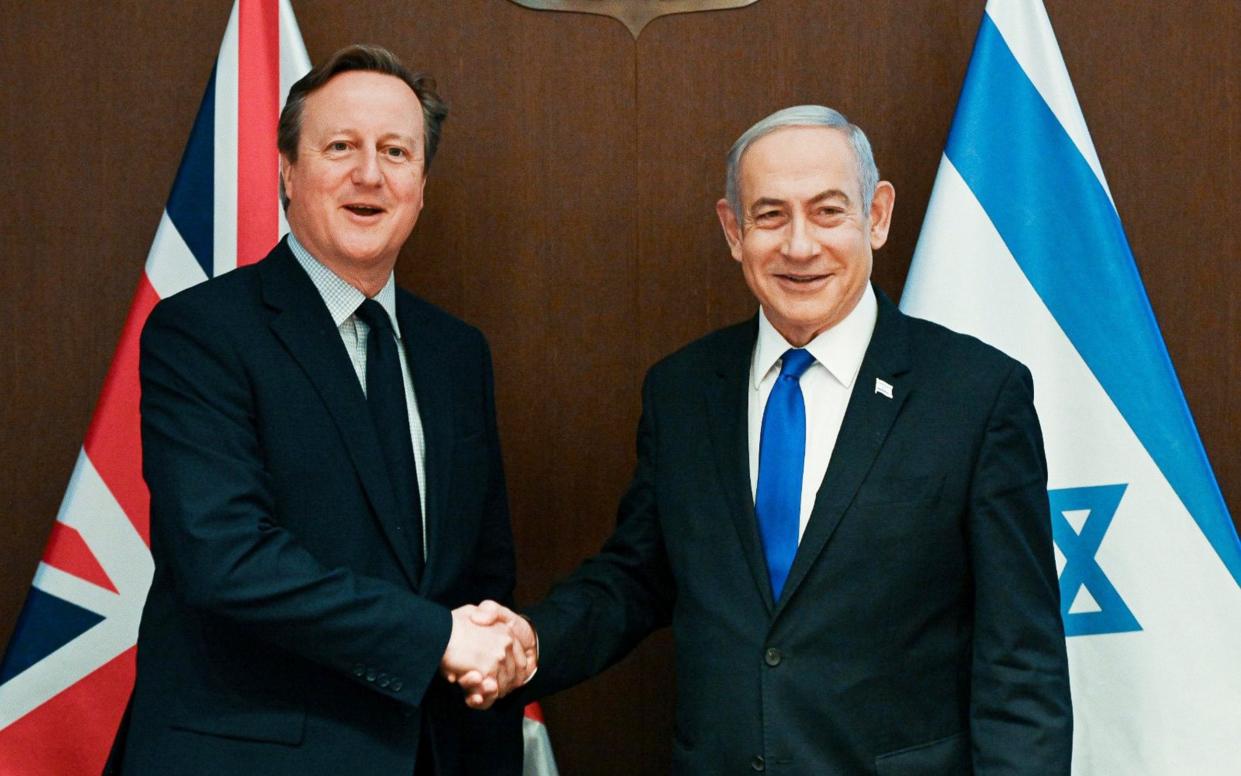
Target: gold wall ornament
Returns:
[[634, 14]]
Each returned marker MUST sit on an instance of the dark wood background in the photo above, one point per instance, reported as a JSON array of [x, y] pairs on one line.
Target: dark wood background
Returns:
[[570, 216]]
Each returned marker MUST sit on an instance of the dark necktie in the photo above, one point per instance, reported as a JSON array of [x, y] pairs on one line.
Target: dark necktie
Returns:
[[781, 458], [385, 395]]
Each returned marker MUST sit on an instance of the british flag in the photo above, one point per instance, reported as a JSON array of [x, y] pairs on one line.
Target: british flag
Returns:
[[68, 670]]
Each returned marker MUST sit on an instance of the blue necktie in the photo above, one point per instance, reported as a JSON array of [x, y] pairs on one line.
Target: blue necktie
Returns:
[[781, 457], [385, 396]]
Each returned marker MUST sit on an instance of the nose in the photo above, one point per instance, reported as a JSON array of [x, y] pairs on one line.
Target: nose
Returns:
[[799, 242], [367, 171]]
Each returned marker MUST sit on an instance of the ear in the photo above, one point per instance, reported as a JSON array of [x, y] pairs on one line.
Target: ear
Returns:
[[422, 199], [286, 168], [881, 214], [732, 230]]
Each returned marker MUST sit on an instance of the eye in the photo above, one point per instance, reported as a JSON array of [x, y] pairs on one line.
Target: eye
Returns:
[[770, 219], [828, 215], [396, 152], [338, 145]]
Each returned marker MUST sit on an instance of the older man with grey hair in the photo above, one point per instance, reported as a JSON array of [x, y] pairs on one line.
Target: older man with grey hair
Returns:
[[840, 510]]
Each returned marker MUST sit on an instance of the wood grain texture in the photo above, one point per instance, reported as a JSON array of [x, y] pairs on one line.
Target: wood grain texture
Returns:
[[570, 216]]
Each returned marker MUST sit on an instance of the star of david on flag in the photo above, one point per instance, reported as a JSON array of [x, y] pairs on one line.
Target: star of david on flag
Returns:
[[1089, 602], [1023, 247]]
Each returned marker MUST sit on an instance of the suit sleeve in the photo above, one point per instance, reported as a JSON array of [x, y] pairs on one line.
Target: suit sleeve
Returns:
[[613, 600], [213, 526], [1020, 710]]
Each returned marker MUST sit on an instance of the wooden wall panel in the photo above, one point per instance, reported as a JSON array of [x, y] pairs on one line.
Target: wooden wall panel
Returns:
[[570, 215], [98, 105]]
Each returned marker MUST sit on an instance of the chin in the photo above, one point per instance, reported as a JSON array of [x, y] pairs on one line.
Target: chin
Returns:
[[366, 254]]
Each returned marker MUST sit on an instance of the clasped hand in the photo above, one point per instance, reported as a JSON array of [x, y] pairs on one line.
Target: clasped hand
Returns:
[[491, 652]]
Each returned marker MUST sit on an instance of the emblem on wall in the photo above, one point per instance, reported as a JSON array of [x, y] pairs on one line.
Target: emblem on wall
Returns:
[[634, 14]]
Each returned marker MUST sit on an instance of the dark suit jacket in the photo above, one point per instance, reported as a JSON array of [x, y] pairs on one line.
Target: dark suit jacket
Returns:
[[283, 633], [919, 628]]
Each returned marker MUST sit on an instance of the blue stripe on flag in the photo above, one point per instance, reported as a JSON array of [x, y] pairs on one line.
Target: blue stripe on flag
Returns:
[[192, 201], [1055, 216], [45, 625]]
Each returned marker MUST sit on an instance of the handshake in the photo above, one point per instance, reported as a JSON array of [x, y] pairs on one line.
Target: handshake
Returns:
[[491, 652]]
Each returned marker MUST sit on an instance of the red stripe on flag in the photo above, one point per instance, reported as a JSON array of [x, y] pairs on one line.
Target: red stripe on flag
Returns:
[[535, 712], [72, 733], [67, 551], [114, 442], [258, 105]]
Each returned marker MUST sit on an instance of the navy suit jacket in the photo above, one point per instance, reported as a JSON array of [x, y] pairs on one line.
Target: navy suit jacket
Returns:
[[283, 633], [918, 631]]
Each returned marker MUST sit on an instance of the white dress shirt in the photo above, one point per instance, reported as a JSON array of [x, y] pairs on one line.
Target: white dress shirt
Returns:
[[825, 386], [342, 302]]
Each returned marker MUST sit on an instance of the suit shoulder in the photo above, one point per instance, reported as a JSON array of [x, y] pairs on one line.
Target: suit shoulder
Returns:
[[941, 347], [707, 353], [952, 364], [217, 299], [444, 324]]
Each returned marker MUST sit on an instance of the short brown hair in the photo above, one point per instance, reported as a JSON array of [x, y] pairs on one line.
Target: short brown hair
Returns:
[[366, 57]]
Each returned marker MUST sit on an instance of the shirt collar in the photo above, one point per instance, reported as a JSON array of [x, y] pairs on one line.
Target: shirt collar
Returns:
[[839, 349], [342, 299]]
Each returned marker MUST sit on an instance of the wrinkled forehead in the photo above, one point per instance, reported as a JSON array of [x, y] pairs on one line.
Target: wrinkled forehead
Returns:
[[364, 99], [799, 161]]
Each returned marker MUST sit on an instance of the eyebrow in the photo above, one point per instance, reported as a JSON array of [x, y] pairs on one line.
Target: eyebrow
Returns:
[[764, 202], [830, 194], [401, 136]]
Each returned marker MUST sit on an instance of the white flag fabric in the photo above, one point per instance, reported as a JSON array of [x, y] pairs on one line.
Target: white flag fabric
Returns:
[[538, 757], [1023, 248]]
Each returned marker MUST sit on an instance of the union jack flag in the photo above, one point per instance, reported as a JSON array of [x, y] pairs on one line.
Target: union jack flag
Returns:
[[69, 667]]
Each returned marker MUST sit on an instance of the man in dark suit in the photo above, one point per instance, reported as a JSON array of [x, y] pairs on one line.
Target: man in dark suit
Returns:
[[840, 510], [325, 476]]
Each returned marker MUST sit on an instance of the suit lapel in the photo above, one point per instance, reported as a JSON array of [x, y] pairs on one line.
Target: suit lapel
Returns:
[[868, 418], [727, 408], [433, 386], [302, 323]]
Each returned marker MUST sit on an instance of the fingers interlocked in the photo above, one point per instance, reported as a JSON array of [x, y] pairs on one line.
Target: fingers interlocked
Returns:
[[491, 652]]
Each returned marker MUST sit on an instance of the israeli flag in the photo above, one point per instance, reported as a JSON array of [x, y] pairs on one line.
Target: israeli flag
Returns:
[[1023, 248]]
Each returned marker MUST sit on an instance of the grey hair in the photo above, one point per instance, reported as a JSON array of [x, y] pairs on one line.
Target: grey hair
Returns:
[[804, 116]]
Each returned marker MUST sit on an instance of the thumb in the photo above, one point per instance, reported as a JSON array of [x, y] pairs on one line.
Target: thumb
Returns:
[[486, 613]]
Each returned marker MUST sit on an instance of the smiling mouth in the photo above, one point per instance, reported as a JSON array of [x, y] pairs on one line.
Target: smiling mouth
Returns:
[[802, 279], [363, 210]]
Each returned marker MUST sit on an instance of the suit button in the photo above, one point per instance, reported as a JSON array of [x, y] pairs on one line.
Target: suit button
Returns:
[[758, 763], [772, 657], [359, 670], [370, 674], [396, 685], [384, 681]]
